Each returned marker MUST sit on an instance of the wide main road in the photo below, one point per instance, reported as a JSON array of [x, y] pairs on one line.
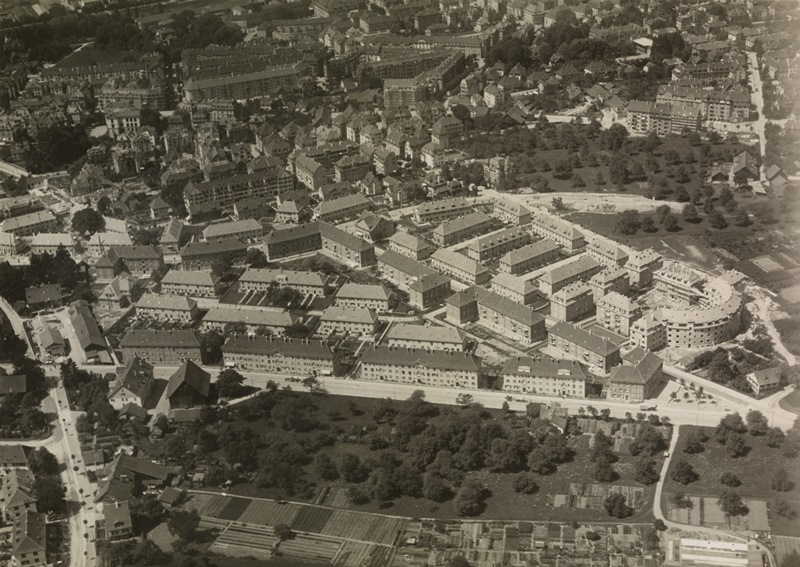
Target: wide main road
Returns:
[[694, 414]]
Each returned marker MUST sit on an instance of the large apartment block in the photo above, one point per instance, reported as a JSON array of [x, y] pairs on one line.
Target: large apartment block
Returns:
[[167, 307], [716, 105], [530, 257], [297, 357], [577, 269], [608, 280], [544, 377], [210, 197], [575, 343], [607, 252], [201, 255], [572, 302], [515, 288], [557, 230], [508, 318], [511, 212], [641, 265], [617, 313], [409, 245], [439, 211], [663, 119], [272, 320], [293, 241], [363, 296], [493, 246], [420, 366], [463, 228], [426, 337], [170, 348], [459, 267], [262, 279], [200, 283], [340, 320]]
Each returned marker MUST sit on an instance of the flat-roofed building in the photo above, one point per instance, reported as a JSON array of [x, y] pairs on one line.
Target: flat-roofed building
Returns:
[[363, 296], [296, 357], [439, 211], [346, 247], [409, 245], [362, 322], [516, 289], [165, 347], [401, 269], [642, 265], [420, 366], [704, 552], [293, 241], [459, 267], [572, 302], [607, 252], [201, 255], [610, 280], [598, 353], [511, 212], [559, 231], [638, 378], [426, 337], [30, 224], [648, 332], [337, 210], [200, 283], [462, 228], [247, 230], [617, 313], [554, 279], [493, 246], [273, 320], [50, 242], [530, 257], [429, 290], [544, 377], [262, 279], [167, 307]]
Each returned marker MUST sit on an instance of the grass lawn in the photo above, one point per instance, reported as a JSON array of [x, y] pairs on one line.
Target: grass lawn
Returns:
[[792, 402], [754, 470], [91, 55], [352, 415]]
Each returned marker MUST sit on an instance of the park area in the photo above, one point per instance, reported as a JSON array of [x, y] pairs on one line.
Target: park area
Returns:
[[755, 471]]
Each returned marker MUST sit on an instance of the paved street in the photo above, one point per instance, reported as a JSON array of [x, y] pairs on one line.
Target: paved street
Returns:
[[757, 99]]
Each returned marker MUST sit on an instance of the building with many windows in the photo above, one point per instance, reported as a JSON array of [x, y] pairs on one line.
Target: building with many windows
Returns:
[[426, 337], [511, 212], [663, 119], [559, 231], [555, 279], [165, 347], [247, 230], [607, 252], [641, 265], [439, 211], [200, 283], [362, 322], [638, 378], [263, 279], [167, 307], [575, 343], [429, 290], [462, 228], [572, 302], [254, 320], [459, 267], [648, 332], [420, 366], [201, 255], [363, 296], [493, 246], [608, 280], [295, 357], [516, 289], [617, 313], [530, 375], [530, 257], [409, 245]]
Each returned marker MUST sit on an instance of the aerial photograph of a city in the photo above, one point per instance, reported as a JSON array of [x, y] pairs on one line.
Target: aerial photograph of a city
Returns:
[[400, 283]]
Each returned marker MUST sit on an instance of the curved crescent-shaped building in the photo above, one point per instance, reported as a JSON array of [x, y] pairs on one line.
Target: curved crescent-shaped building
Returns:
[[710, 312]]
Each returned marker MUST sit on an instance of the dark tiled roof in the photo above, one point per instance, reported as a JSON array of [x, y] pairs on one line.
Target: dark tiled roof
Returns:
[[191, 374]]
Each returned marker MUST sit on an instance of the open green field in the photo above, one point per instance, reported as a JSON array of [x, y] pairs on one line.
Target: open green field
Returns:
[[754, 470], [791, 402]]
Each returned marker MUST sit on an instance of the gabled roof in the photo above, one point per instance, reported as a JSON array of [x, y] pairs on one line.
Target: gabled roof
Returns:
[[642, 366], [432, 333], [583, 338], [293, 348], [29, 534], [13, 384], [191, 374], [352, 290], [348, 315], [434, 359], [135, 378]]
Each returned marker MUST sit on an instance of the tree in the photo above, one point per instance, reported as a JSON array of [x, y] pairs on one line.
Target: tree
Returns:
[[684, 473], [229, 383], [351, 469], [731, 503], [735, 445], [558, 204], [88, 221], [470, 498], [694, 441], [283, 532], [730, 423], [256, 258], [690, 213], [781, 482], [43, 462], [716, 220], [628, 222], [646, 471], [183, 524], [783, 509], [725, 196], [464, 399], [525, 483], [671, 223], [648, 441], [384, 411], [49, 494], [649, 225], [604, 472], [616, 506], [757, 423], [774, 437], [221, 266], [730, 479]]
